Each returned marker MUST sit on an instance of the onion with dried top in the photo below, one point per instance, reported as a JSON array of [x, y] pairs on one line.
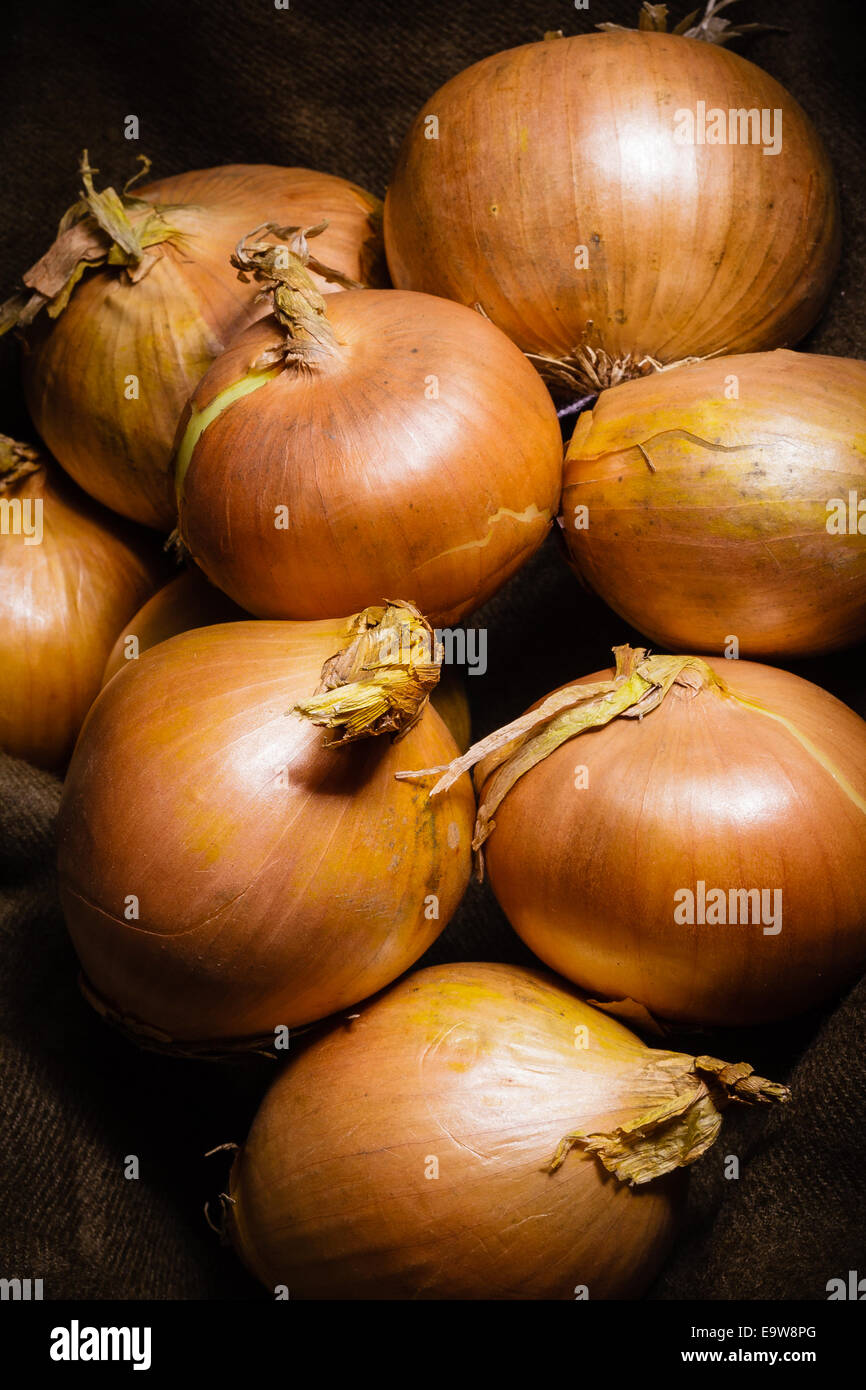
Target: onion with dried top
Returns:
[[71, 574], [189, 601], [222, 872], [140, 297], [569, 189], [477, 1132], [372, 443], [715, 501], [696, 849]]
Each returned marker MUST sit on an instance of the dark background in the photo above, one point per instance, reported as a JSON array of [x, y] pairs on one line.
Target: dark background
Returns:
[[333, 84]]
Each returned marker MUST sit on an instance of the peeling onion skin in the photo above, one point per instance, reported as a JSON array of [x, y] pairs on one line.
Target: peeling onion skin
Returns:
[[474, 1065], [726, 532], [691, 249], [168, 327], [701, 788], [62, 603], [186, 602], [259, 904], [388, 491]]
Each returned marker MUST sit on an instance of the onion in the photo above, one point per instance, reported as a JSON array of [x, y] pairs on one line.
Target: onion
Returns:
[[694, 851], [424, 1150], [700, 515], [222, 873], [70, 576], [548, 185], [107, 380], [188, 601], [376, 443]]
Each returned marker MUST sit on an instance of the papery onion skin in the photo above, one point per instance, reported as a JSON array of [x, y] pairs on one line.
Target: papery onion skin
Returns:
[[706, 515], [62, 602], [707, 789], [570, 143], [186, 602], [474, 1067], [389, 488], [277, 880], [167, 328]]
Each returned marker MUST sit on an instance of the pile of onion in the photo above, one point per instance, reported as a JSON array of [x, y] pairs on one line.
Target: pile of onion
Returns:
[[477, 1132], [714, 501], [188, 601], [139, 298], [373, 443], [693, 850], [555, 185], [71, 574], [224, 873]]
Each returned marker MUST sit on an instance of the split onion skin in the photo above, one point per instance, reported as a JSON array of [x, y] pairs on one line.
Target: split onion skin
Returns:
[[388, 490], [168, 327], [186, 602], [61, 605], [264, 899], [707, 516], [474, 1066], [691, 249], [702, 788]]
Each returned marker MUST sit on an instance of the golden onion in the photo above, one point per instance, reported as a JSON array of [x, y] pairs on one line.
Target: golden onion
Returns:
[[681, 833], [223, 874], [477, 1132], [613, 200], [71, 574], [725, 503], [371, 443], [109, 365]]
